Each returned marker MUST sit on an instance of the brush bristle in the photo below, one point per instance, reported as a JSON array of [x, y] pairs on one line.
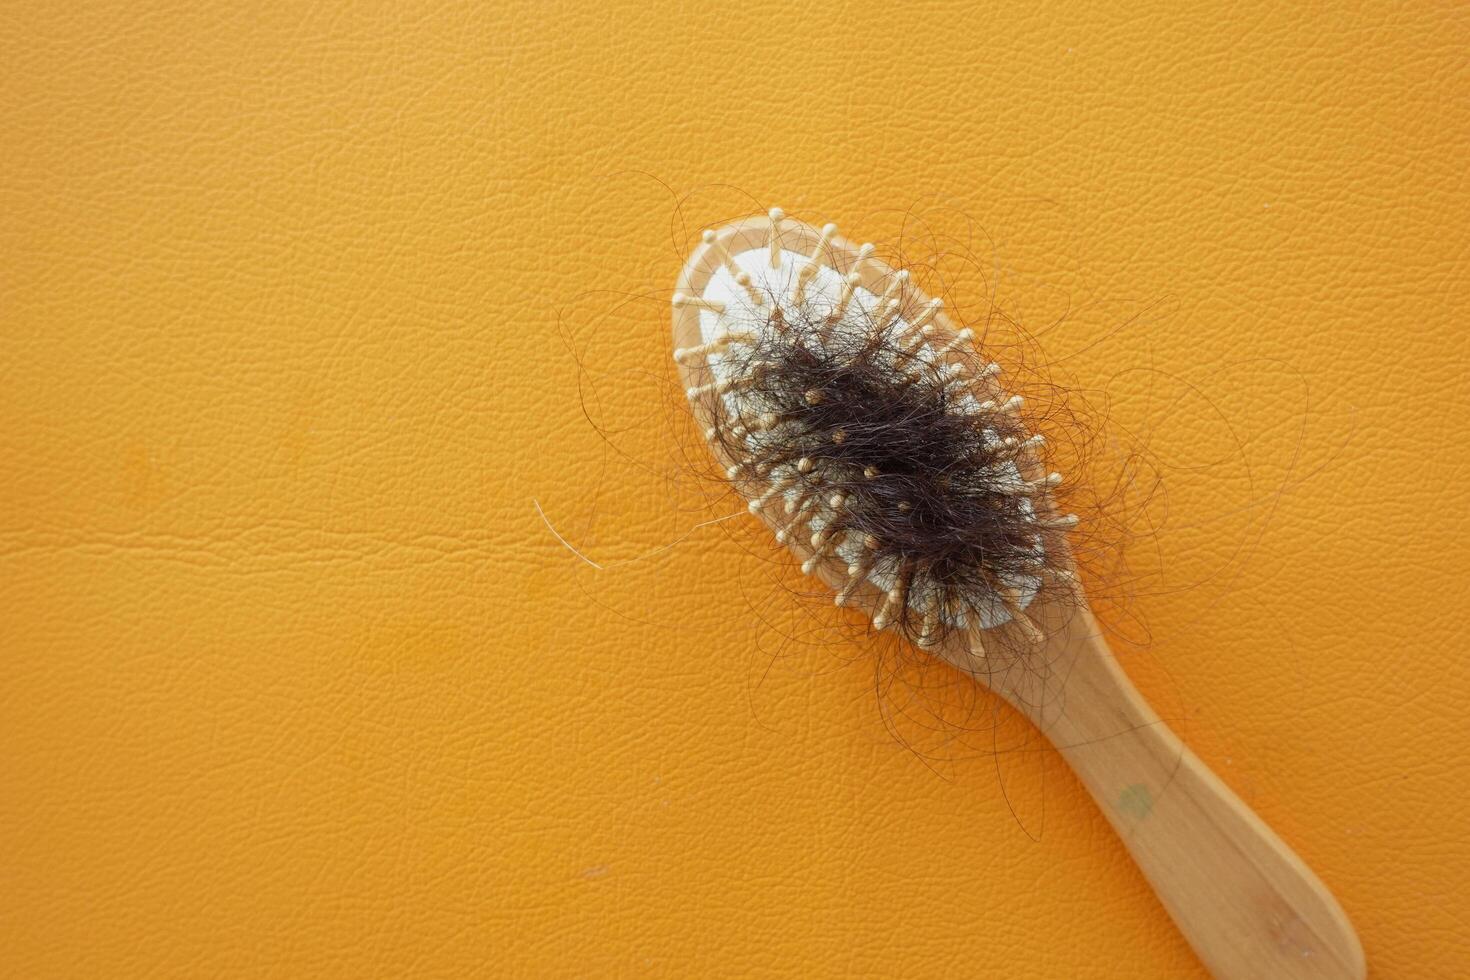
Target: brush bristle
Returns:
[[882, 437]]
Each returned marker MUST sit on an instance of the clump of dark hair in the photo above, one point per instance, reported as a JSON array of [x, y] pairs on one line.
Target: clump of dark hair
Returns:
[[902, 448]]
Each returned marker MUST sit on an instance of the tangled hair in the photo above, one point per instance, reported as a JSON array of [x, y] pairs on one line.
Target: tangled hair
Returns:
[[893, 442], [952, 524]]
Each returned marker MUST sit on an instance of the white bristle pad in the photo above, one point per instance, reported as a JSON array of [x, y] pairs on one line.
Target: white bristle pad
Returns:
[[819, 297]]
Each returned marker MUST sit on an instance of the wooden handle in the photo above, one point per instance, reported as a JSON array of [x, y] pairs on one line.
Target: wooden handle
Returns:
[[1243, 899]]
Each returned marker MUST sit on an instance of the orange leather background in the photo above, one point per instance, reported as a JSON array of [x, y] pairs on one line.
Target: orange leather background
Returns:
[[294, 680]]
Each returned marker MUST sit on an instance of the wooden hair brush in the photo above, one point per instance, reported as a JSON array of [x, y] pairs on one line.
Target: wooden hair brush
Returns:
[[866, 429]]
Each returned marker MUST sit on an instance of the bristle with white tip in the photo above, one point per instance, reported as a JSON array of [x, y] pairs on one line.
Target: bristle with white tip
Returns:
[[722, 340], [725, 386], [699, 303], [930, 633], [764, 422], [788, 530], [798, 288], [1011, 599], [813, 265], [721, 254], [929, 312], [776, 489], [773, 240], [892, 299], [727, 261], [844, 297], [894, 600], [958, 342], [976, 645], [819, 251], [821, 550], [1009, 405], [746, 469], [857, 574], [809, 497], [845, 594], [1032, 487], [950, 373]]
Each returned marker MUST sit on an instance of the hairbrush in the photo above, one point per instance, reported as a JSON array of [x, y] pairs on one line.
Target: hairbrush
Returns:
[[879, 444]]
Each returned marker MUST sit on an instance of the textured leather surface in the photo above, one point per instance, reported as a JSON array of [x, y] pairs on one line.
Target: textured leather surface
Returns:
[[296, 682]]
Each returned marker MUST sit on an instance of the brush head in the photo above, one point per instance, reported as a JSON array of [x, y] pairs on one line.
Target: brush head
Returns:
[[869, 432]]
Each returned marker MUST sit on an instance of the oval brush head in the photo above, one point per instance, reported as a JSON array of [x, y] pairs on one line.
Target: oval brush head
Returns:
[[868, 432]]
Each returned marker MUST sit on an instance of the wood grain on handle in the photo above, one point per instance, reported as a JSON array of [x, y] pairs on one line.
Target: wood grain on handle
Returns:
[[1248, 905]]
